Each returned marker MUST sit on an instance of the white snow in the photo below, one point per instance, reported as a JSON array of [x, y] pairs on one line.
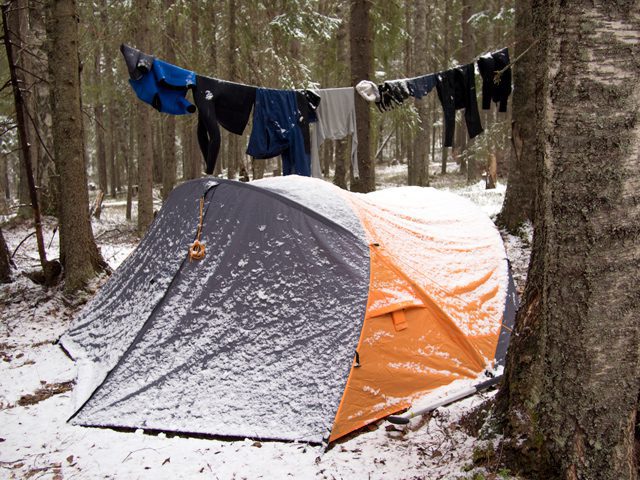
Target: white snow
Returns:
[[37, 442]]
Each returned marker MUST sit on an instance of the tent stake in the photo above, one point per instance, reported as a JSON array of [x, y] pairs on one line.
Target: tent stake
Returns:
[[464, 393]]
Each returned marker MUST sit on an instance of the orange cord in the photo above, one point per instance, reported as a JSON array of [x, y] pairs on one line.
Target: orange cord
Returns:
[[197, 249]]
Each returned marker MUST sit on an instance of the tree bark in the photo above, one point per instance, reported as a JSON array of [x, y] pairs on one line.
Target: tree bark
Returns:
[[341, 171], [467, 56], [79, 254], [145, 146], [519, 200], [129, 163], [361, 43], [98, 112], [342, 159], [45, 173], [11, 40], [421, 138], [234, 151], [169, 122], [443, 66], [572, 385], [18, 26], [5, 261]]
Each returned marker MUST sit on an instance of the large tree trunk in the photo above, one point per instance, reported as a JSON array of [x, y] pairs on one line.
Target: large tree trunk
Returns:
[[79, 254], [518, 205], [421, 139], [145, 147], [572, 386], [361, 43]]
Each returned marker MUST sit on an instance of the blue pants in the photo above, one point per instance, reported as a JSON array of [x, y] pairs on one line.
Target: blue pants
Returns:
[[277, 131]]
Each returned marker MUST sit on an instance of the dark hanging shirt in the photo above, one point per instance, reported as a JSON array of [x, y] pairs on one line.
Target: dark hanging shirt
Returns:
[[220, 103], [491, 91], [457, 90]]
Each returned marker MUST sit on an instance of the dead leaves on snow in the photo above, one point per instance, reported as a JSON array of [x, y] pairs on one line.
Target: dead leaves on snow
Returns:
[[48, 390]]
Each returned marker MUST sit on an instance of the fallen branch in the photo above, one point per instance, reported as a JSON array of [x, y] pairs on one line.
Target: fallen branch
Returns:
[[20, 244], [139, 450]]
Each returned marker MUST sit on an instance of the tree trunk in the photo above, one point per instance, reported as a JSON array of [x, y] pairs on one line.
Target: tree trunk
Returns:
[[98, 111], [421, 138], [169, 122], [18, 25], [5, 261], [79, 254], [361, 42], [129, 163], [342, 168], [572, 385], [341, 171], [22, 113], [45, 173], [145, 147], [234, 150], [112, 106], [519, 200], [467, 57], [5, 194], [444, 66]]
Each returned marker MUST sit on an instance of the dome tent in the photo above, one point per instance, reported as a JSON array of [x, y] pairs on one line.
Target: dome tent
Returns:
[[260, 338]]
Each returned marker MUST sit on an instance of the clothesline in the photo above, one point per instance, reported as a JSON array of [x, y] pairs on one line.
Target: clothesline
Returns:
[[294, 123], [456, 90], [290, 123]]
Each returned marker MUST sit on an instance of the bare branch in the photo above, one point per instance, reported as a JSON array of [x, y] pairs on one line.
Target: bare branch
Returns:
[[35, 127]]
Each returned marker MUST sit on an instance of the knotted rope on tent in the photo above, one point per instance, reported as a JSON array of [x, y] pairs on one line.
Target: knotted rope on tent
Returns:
[[197, 248]]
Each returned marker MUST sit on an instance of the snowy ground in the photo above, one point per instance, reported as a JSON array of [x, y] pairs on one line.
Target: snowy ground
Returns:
[[36, 387]]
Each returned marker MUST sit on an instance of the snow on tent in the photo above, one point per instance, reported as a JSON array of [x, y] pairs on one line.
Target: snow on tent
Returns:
[[259, 338]]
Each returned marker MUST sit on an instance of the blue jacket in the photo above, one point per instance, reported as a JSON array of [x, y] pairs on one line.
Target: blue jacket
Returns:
[[158, 83]]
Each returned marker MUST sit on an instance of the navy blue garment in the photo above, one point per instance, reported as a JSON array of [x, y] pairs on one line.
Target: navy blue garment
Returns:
[[421, 86], [498, 92], [277, 131], [165, 88], [456, 90]]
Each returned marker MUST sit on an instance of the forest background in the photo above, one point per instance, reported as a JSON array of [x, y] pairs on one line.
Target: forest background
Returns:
[[292, 44], [570, 145]]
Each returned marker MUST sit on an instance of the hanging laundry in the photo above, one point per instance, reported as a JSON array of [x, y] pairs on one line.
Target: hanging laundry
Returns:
[[368, 90], [336, 119], [220, 103], [278, 130], [457, 90], [138, 63], [158, 83], [499, 92], [421, 86], [392, 93]]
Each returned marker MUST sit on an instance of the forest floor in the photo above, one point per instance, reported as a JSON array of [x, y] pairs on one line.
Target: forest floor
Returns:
[[37, 381]]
